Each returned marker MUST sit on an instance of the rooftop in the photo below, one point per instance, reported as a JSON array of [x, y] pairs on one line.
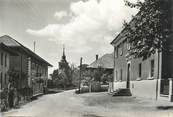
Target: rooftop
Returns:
[[9, 50], [106, 61], [10, 42]]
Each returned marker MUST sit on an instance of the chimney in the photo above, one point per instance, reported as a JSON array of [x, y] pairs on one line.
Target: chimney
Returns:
[[97, 56]]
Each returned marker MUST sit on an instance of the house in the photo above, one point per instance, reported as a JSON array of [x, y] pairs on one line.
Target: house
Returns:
[[104, 63], [31, 69], [5, 53], [150, 78]]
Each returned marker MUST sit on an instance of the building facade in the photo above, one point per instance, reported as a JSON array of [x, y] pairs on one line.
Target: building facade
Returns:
[[31, 69], [145, 78], [136, 74], [150, 78]]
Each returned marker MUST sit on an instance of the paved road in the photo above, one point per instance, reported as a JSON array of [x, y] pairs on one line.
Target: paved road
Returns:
[[68, 104]]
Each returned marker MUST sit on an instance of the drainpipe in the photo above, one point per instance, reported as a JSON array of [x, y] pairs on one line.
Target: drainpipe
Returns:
[[80, 74], [113, 71]]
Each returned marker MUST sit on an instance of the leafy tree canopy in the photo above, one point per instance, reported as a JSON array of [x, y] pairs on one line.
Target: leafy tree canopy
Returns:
[[150, 28]]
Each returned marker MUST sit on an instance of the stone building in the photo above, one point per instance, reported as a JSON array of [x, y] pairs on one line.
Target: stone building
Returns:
[[150, 78]]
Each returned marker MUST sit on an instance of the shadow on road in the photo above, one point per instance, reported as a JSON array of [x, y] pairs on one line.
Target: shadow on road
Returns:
[[53, 91], [165, 107], [92, 115]]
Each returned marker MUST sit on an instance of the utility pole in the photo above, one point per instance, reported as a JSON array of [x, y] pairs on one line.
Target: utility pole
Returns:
[[158, 75], [80, 73], [34, 45]]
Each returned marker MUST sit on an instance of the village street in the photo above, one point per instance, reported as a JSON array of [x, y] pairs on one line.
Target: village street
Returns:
[[69, 104]]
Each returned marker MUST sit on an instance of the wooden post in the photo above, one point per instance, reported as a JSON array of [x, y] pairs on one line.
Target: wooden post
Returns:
[[90, 86], [171, 89], [80, 73]]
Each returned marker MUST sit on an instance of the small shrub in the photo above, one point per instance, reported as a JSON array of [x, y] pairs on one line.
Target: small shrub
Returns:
[[4, 100], [104, 88]]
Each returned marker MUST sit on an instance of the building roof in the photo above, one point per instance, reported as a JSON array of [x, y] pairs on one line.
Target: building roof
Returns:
[[10, 42], [9, 50], [106, 61]]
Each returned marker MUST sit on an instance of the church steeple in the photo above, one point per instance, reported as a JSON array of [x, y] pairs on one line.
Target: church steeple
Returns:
[[64, 56], [63, 64]]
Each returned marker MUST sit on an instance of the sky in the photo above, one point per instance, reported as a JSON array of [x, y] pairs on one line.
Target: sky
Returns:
[[85, 27]]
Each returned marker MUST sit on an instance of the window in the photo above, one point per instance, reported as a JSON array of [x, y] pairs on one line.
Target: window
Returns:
[[45, 72], [5, 60], [5, 79], [128, 45], [2, 56], [152, 68], [125, 44], [121, 74], [121, 50], [1, 79], [140, 70], [116, 52], [116, 75]]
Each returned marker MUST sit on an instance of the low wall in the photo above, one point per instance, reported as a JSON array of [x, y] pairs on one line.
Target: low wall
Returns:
[[143, 88], [118, 85]]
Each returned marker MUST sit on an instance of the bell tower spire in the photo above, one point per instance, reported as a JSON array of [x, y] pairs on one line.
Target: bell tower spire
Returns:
[[63, 50], [63, 64], [64, 56]]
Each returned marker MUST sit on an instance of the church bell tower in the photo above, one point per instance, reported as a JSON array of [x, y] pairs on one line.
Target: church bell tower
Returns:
[[63, 64]]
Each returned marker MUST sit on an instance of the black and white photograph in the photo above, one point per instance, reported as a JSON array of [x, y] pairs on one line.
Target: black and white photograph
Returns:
[[86, 58]]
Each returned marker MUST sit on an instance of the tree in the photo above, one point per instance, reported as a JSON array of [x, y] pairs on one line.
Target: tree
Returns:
[[75, 76], [14, 78], [59, 78], [107, 77], [75, 73], [55, 74], [98, 74], [88, 78], [150, 29], [63, 79]]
